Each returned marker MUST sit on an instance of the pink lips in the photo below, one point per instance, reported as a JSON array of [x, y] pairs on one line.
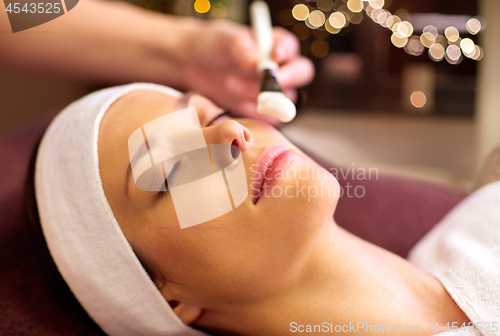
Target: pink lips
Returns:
[[270, 164]]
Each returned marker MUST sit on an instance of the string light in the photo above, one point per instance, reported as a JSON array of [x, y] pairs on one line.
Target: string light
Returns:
[[414, 47], [473, 26], [376, 3], [451, 34], [300, 12], [450, 46], [355, 6], [398, 41], [337, 20], [219, 10], [316, 18], [325, 5], [436, 52], [453, 52], [202, 6], [418, 99], [319, 48], [330, 29]]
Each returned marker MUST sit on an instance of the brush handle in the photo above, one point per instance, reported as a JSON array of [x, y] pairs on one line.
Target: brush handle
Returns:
[[262, 27]]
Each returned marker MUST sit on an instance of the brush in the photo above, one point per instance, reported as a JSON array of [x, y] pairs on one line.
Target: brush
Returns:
[[271, 100]]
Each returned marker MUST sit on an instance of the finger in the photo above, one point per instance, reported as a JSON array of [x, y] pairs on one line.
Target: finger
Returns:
[[243, 48], [286, 45], [296, 73], [291, 94], [243, 87]]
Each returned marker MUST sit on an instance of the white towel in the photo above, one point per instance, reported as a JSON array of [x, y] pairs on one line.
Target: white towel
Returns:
[[463, 252], [82, 234]]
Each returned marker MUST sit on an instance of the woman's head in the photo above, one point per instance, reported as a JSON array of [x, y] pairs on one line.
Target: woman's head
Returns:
[[245, 255], [91, 212]]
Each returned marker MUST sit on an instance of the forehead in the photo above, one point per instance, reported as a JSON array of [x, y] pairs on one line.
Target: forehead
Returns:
[[138, 108], [129, 113]]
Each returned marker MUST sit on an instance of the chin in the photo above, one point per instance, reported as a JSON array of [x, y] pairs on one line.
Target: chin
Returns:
[[310, 201]]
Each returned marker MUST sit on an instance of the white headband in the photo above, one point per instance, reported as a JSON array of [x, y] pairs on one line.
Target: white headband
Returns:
[[82, 234]]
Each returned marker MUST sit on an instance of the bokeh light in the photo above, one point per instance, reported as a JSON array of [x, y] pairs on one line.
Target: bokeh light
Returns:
[[436, 52], [316, 18], [392, 20], [380, 16], [337, 20], [376, 3], [418, 99], [450, 46], [402, 29], [369, 10], [399, 42], [319, 48], [414, 47], [478, 55], [309, 25], [356, 18], [402, 14], [202, 6], [356, 6], [427, 39], [324, 5], [320, 34], [442, 40], [451, 33], [300, 12], [431, 30], [219, 11], [330, 29], [452, 61], [301, 31], [453, 52], [467, 46], [473, 26], [285, 17]]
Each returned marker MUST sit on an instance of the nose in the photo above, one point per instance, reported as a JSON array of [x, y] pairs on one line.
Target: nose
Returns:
[[229, 132]]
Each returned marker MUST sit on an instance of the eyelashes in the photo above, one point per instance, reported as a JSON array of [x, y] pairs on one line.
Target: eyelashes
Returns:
[[173, 173], [225, 113]]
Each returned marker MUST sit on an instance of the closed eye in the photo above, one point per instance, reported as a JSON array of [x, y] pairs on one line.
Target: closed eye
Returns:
[[173, 173], [226, 113]]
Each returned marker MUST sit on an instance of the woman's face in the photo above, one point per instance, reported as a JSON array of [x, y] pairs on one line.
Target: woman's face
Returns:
[[247, 254]]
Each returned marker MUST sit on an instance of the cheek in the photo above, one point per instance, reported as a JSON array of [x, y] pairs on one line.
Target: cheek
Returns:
[[304, 191]]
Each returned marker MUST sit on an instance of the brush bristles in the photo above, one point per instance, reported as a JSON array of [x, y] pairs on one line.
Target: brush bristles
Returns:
[[277, 105]]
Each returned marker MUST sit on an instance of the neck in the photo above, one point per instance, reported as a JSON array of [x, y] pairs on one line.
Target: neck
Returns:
[[350, 282]]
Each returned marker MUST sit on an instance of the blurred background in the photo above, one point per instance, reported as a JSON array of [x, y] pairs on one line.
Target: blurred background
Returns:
[[409, 87]]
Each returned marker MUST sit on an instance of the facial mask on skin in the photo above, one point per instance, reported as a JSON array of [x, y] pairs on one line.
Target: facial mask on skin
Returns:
[[170, 152]]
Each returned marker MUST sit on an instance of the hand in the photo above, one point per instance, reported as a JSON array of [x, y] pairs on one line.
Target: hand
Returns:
[[221, 62]]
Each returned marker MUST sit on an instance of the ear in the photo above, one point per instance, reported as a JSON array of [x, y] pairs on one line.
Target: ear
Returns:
[[187, 313]]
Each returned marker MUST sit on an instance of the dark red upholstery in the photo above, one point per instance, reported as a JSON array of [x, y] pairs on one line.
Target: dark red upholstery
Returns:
[[394, 213]]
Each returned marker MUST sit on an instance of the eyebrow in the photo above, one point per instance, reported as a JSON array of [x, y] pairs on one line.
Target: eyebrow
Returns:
[[182, 103]]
